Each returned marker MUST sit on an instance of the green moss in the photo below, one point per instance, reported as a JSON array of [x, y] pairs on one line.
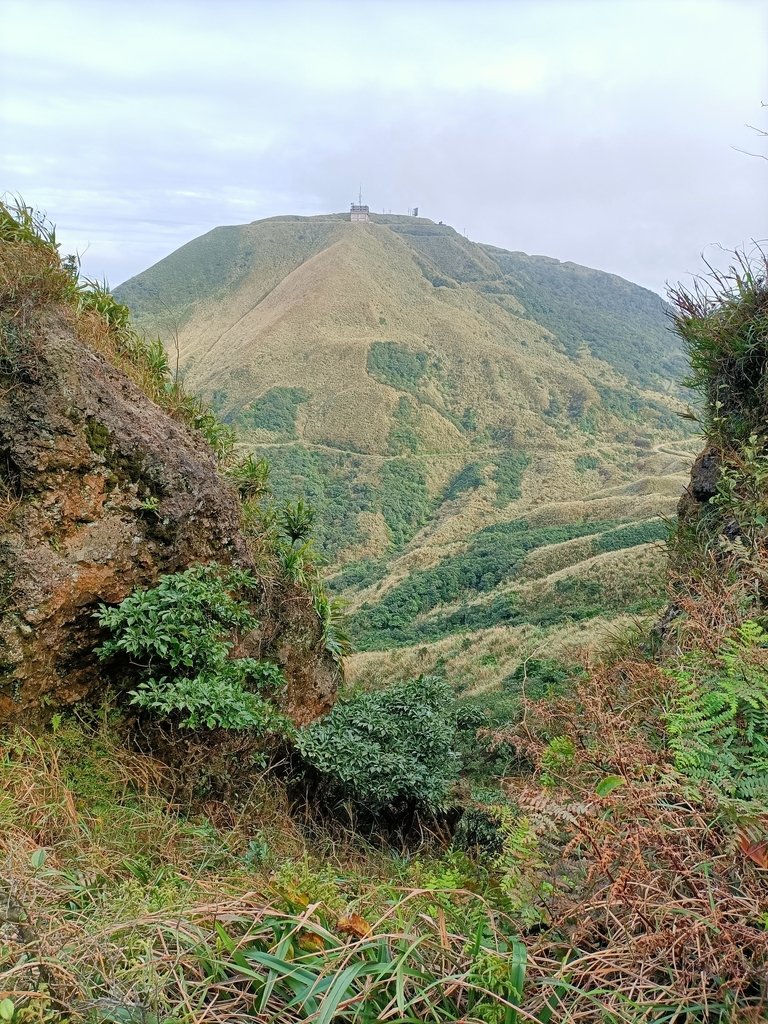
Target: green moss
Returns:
[[97, 436]]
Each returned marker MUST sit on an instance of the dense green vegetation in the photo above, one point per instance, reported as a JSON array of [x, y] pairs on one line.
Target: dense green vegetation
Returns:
[[330, 483], [179, 637], [358, 575], [467, 479], [396, 365], [275, 411], [404, 499], [404, 437], [391, 749], [508, 474], [618, 322], [493, 556]]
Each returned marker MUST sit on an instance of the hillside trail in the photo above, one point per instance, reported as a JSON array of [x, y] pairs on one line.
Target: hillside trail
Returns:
[[668, 447], [660, 449]]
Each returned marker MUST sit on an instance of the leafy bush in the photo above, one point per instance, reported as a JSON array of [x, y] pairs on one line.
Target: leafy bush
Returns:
[[358, 575], [180, 637], [388, 749], [538, 678]]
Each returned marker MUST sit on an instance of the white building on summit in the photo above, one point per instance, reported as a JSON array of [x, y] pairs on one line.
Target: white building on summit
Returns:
[[357, 211]]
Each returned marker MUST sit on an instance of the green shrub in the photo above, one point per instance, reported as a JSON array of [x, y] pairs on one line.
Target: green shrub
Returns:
[[395, 364], [275, 411], [392, 748], [584, 463], [358, 575], [508, 476], [541, 677], [297, 519], [180, 636], [724, 326]]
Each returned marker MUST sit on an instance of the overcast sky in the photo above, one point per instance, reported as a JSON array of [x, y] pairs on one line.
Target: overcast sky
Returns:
[[604, 132]]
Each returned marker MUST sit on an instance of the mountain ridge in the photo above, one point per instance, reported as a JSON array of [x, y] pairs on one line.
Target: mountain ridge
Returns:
[[420, 390]]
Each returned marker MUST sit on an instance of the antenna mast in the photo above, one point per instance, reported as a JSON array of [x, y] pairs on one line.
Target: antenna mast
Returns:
[[360, 196]]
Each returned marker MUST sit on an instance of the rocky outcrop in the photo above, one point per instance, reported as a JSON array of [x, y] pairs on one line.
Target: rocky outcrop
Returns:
[[705, 475], [104, 493]]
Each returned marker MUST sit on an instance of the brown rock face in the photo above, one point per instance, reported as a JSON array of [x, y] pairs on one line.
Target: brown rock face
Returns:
[[105, 493], [705, 475]]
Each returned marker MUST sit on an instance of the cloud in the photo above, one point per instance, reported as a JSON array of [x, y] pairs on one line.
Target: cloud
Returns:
[[592, 131]]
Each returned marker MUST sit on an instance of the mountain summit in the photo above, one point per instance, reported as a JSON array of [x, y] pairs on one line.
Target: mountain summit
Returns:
[[317, 327], [421, 389]]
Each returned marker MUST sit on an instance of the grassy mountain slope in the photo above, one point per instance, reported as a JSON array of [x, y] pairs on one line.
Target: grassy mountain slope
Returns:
[[422, 390]]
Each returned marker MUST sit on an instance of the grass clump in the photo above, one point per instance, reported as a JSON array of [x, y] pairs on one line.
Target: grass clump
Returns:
[[723, 321]]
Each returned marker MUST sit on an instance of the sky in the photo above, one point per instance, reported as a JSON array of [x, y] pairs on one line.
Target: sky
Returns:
[[607, 132]]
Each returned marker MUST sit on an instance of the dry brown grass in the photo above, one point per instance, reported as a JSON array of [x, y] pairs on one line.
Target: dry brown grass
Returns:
[[663, 910]]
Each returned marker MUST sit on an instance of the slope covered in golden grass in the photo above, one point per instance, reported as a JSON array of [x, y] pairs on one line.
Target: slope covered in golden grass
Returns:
[[424, 391]]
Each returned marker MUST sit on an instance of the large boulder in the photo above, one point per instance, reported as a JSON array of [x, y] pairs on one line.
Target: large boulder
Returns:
[[101, 491]]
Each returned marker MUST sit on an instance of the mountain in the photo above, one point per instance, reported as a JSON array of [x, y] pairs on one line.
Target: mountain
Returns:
[[490, 439]]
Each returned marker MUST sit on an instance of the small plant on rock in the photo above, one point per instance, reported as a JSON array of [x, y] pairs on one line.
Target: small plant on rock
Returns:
[[180, 635]]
